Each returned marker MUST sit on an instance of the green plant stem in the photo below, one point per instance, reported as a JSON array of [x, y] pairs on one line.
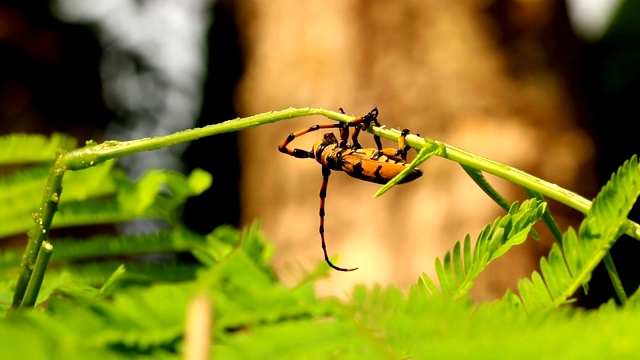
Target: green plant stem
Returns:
[[615, 278], [506, 172], [91, 155], [552, 225], [40, 230], [40, 268], [477, 177], [94, 154]]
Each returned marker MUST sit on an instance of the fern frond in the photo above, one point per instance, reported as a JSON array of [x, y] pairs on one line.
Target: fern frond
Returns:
[[565, 270], [21, 192], [98, 195], [19, 148], [72, 255], [477, 177], [97, 181], [459, 269], [175, 240], [95, 211], [22, 189], [163, 270]]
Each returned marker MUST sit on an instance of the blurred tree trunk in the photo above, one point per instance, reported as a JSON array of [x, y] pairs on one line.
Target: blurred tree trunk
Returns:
[[492, 77]]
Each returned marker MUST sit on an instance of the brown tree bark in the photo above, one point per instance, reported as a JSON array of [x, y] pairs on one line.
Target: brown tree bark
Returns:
[[492, 77]]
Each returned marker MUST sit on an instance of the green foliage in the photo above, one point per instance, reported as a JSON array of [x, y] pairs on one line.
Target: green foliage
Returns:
[[116, 296], [256, 317], [21, 148], [97, 195], [460, 267], [101, 195], [566, 268]]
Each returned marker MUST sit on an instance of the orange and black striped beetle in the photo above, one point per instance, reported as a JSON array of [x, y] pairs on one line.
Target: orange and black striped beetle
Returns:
[[368, 164]]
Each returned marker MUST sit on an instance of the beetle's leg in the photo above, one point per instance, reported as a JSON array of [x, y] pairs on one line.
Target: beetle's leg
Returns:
[[344, 136], [299, 153], [372, 117], [344, 133], [362, 123], [323, 194], [401, 151], [402, 144]]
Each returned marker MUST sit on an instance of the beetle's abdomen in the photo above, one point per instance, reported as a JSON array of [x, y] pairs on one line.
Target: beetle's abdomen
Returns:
[[378, 171]]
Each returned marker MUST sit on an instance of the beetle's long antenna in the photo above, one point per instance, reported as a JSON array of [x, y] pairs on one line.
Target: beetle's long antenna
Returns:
[[323, 194]]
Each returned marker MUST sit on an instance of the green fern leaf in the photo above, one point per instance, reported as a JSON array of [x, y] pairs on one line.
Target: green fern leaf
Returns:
[[174, 240], [21, 189], [565, 270], [466, 254], [141, 271], [98, 195], [445, 287], [97, 211], [459, 269], [97, 181], [21, 192], [426, 286], [19, 148]]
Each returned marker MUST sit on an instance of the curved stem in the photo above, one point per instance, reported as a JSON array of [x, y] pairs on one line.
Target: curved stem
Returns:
[[615, 278], [93, 154], [39, 232], [39, 270], [506, 172]]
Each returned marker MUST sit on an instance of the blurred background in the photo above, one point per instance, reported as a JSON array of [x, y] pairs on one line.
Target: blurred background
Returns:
[[549, 87]]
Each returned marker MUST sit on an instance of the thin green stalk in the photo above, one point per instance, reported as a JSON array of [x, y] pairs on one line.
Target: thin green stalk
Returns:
[[615, 278], [40, 268], [477, 177], [93, 154], [40, 230], [548, 219], [506, 172]]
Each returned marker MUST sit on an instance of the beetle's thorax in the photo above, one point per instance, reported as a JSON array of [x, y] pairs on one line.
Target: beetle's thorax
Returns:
[[328, 152]]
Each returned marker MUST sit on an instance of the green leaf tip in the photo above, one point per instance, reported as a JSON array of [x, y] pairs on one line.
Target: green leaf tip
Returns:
[[424, 154]]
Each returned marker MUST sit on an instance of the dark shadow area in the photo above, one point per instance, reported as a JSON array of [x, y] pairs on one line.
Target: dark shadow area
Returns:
[[611, 75], [49, 74], [50, 81], [217, 154]]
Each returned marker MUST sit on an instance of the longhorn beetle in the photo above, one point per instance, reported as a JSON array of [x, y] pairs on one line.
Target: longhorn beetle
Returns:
[[368, 164]]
